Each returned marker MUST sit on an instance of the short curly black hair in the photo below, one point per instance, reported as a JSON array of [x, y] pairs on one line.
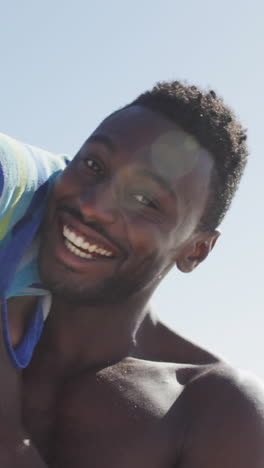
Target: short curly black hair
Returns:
[[213, 124]]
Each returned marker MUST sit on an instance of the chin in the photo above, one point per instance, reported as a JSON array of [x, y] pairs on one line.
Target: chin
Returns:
[[73, 287], [67, 288]]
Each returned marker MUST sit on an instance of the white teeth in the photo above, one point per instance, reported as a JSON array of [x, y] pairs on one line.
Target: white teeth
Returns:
[[71, 237], [75, 250], [80, 242]]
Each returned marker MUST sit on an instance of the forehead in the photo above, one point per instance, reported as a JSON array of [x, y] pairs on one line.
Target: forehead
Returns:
[[140, 135]]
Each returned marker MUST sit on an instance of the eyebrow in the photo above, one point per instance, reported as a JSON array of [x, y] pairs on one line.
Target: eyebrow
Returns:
[[103, 139], [160, 180]]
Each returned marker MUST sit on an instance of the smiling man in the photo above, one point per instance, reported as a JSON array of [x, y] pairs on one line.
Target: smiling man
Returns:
[[109, 385]]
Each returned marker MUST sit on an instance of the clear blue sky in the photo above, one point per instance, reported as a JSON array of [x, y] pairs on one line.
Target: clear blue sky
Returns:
[[66, 64]]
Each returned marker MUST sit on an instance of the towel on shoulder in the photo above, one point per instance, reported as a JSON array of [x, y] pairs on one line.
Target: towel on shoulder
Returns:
[[26, 177]]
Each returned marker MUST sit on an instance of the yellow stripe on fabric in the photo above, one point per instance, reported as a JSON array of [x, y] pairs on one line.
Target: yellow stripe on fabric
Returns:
[[22, 174], [5, 222], [21, 169]]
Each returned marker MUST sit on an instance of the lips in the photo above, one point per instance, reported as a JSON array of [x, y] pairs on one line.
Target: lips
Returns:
[[80, 246], [85, 241]]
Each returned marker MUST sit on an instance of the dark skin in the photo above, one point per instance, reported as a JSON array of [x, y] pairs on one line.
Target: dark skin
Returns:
[[109, 385]]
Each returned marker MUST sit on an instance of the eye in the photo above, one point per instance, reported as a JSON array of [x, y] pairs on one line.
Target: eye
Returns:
[[94, 166], [143, 200]]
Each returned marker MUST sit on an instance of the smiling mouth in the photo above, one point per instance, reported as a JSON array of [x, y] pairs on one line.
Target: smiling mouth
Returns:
[[83, 248]]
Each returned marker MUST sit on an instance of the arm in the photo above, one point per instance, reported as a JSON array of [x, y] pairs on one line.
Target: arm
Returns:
[[24, 172], [227, 430], [16, 451]]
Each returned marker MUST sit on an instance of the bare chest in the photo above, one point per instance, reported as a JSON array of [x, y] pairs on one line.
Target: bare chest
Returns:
[[128, 415]]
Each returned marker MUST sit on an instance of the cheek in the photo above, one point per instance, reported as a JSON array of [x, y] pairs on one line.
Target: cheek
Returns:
[[146, 238], [65, 185]]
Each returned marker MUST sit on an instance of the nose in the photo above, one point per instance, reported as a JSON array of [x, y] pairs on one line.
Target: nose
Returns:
[[98, 204]]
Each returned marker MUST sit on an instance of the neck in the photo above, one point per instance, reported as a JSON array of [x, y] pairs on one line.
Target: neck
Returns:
[[90, 336]]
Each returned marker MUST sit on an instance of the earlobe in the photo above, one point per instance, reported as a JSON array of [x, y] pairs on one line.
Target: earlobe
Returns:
[[196, 251], [186, 265]]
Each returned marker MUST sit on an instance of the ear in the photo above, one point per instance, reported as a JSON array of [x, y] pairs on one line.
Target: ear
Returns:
[[196, 250]]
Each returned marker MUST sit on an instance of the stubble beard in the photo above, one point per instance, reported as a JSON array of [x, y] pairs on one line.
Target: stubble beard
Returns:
[[63, 283]]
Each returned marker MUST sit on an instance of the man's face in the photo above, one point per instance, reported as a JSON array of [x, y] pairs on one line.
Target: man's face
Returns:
[[121, 211]]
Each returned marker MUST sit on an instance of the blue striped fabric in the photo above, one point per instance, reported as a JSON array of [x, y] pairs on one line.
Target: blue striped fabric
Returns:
[[26, 176]]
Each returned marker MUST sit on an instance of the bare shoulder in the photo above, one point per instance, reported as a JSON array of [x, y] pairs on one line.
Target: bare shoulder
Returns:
[[225, 427]]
